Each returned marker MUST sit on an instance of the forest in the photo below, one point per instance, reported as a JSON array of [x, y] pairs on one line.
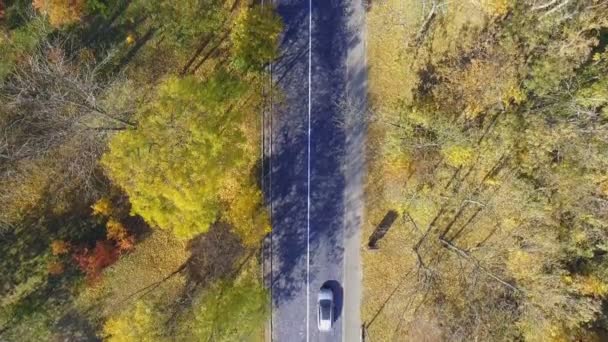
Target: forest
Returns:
[[130, 208], [488, 138]]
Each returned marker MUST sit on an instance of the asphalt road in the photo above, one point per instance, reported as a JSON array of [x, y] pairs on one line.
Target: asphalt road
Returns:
[[316, 168]]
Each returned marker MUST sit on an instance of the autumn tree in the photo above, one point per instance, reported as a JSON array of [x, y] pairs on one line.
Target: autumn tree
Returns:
[[93, 261], [255, 37], [55, 118], [185, 23], [227, 311], [61, 12], [141, 322], [244, 209], [496, 159], [185, 146], [180, 153], [19, 42]]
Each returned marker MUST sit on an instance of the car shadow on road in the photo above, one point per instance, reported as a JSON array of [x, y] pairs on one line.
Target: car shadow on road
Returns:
[[338, 292]]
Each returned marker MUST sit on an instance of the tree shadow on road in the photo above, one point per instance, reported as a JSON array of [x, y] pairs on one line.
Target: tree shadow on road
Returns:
[[329, 145]]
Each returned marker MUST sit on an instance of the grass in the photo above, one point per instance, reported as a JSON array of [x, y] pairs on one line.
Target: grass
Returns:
[[389, 25], [394, 60], [151, 261]]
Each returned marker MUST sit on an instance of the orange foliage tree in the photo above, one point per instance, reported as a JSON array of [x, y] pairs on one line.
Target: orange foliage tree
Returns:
[[60, 12], [92, 262], [116, 231], [59, 247], [55, 267]]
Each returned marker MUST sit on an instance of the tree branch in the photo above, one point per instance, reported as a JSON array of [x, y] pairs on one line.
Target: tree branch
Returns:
[[469, 258]]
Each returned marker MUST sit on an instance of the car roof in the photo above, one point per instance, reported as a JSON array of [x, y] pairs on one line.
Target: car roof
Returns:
[[325, 309]]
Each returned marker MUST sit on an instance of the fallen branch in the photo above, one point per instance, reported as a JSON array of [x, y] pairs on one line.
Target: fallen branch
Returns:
[[469, 258], [416, 248], [543, 6], [390, 296], [556, 8], [151, 287], [426, 25]]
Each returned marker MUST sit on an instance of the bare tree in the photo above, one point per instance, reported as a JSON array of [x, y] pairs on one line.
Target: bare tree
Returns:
[[55, 106]]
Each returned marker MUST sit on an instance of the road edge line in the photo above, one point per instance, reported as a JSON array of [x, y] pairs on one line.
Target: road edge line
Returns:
[[308, 178]]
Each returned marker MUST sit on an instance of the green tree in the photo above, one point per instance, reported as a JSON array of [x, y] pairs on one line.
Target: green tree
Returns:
[[227, 312], [255, 37], [184, 23], [19, 42]]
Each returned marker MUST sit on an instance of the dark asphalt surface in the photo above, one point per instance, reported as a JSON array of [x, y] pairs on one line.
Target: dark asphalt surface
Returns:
[[289, 173]]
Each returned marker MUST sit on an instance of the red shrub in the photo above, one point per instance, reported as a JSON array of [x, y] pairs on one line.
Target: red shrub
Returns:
[[92, 262]]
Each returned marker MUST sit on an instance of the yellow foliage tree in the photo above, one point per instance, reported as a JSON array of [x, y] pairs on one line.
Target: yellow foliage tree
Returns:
[[139, 323], [187, 144], [458, 156], [255, 35], [116, 231], [591, 286], [496, 8], [246, 213], [103, 207], [61, 12]]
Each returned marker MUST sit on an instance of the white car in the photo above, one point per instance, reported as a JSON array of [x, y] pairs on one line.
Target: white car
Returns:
[[325, 306]]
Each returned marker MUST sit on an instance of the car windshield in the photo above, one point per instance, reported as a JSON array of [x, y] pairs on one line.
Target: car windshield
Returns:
[[325, 308]]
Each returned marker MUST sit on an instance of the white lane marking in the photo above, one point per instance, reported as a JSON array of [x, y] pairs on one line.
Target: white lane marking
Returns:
[[308, 187], [343, 318]]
